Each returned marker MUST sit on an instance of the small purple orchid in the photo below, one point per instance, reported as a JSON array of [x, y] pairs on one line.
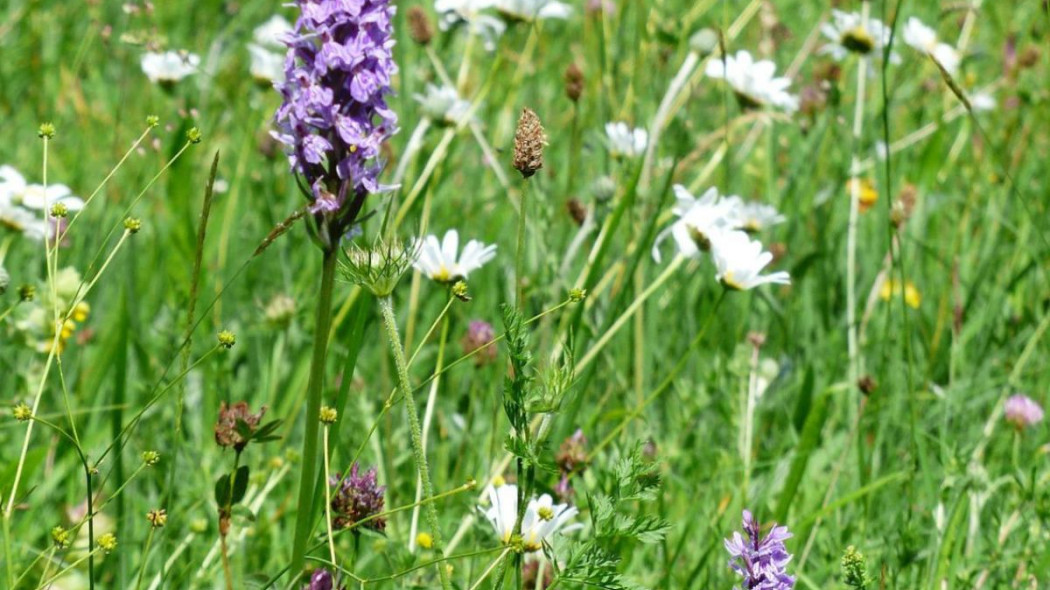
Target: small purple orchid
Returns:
[[760, 561], [334, 118]]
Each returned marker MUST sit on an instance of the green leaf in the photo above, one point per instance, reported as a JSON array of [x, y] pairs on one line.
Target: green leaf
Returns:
[[222, 490], [240, 484]]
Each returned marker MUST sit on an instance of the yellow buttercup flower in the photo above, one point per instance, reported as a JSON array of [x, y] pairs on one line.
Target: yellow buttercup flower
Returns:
[[866, 193], [892, 288]]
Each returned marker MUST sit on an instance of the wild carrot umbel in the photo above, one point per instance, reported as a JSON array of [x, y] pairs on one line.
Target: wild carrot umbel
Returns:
[[333, 121]]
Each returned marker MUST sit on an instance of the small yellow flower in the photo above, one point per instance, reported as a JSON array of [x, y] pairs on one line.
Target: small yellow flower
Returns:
[[81, 312], [22, 412], [227, 339], [498, 481], [545, 513], [107, 542], [329, 415], [892, 288], [866, 193], [425, 540]]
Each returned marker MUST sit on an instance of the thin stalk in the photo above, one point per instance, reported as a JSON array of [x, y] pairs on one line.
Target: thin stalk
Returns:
[[489, 569], [749, 421], [519, 260], [386, 308], [145, 558], [854, 213], [303, 518], [328, 498], [428, 416]]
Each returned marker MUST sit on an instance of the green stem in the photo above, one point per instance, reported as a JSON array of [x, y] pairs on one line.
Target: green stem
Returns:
[[386, 307], [145, 558], [303, 519], [519, 263]]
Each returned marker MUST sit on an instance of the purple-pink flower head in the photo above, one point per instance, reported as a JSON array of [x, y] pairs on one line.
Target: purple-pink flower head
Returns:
[[761, 562], [322, 580], [334, 118], [1023, 411], [357, 497]]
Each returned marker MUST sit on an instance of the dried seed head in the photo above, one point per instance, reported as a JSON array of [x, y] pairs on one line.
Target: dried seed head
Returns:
[[529, 140], [904, 205], [419, 28], [576, 210], [867, 384], [158, 517], [573, 82]]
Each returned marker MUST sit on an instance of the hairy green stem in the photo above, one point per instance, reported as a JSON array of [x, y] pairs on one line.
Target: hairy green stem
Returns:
[[386, 307], [304, 517]]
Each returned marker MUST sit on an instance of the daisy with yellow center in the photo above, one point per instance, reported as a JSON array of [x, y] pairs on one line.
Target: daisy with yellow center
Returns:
[[442, 261], [542, 520]]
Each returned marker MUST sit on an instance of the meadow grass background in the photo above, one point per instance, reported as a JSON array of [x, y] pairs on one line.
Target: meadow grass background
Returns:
[[922, 475]]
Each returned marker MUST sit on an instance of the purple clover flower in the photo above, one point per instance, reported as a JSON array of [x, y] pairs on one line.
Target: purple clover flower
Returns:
[[322, 580], [356, 498], [1022, 411], [760, 561], [334, 118]]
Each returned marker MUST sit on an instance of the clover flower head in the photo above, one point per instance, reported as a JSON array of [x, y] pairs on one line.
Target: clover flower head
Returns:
[[1023, 411], [357, 497]]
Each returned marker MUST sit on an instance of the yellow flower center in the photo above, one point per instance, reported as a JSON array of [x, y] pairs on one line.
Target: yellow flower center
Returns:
[[858, 40], [545, 513]]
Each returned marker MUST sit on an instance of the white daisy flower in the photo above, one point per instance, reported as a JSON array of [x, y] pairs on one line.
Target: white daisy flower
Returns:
[[24, 207], [700, 222], [442, 104], [739, 260], [533, 10], [752, 216], [502, 511], [442, 261], [266, 65], [753, 81], [624, 141], [983, 102], [271, 33], [924, 39], [542, 520], [169, 67], [468, 13], [847, 34]]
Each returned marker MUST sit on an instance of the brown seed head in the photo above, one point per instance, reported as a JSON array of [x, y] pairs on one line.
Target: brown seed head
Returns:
[[576, 210], [867, 384], [1029, 57], [419, 28], [573, 82], [529, 140], [904, 205]]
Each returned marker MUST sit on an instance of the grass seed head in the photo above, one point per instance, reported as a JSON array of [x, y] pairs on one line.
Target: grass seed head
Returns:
[[529, 140]]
